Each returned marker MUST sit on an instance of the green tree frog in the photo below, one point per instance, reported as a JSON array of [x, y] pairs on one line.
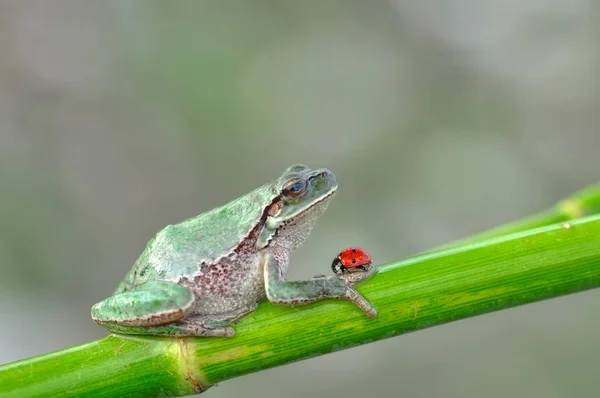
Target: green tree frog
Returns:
[[198, 277]]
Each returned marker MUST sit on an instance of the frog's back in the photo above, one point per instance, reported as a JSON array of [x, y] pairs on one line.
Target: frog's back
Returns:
[[180, 249]]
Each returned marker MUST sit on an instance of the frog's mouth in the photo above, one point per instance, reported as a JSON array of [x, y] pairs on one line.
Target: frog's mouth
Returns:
[[316, 209], [297, 225], [316, 204]]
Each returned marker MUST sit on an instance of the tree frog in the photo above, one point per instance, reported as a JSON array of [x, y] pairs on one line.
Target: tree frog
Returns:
[[198, 277]]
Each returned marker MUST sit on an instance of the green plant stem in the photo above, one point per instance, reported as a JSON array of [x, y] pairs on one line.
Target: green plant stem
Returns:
[[582, 203], [413, 294]]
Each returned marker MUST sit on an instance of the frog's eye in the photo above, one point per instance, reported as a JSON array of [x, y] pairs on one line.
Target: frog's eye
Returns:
[[274, 209], [294, 188]]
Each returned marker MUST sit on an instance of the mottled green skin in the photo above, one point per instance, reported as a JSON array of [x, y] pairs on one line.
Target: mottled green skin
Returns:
[[198, 276], [177, 249], [205, 239]]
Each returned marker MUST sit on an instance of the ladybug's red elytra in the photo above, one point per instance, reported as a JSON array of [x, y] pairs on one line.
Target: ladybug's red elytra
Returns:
[[351, 260]]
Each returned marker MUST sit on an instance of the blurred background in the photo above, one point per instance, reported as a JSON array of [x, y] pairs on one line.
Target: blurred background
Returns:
[[440, 119]]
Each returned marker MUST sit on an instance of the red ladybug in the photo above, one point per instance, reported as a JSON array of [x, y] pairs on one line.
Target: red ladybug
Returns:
[[351, 260]]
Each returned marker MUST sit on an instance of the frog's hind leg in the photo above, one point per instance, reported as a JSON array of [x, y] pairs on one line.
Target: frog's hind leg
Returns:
[[150, 304], [156, 309], [191, 325]]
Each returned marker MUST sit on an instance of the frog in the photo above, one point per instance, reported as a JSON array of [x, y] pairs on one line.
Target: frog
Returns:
[[201, 276]]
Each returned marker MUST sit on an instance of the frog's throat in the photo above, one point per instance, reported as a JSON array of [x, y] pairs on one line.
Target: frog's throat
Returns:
[[272, 224]]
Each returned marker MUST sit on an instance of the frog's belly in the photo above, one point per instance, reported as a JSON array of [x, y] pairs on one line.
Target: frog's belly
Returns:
[[225, 288]]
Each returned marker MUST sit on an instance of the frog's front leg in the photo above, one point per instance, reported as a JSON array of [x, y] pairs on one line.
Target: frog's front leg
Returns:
[[280, 291]]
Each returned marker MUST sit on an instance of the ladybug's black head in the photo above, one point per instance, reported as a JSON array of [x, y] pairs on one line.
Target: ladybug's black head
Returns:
[[336, 266]]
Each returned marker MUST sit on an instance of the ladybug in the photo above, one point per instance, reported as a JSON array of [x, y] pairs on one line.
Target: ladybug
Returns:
[[352, 259]]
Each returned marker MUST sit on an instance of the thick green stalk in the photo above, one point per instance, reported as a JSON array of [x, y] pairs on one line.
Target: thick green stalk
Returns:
[[413, 294], [110, 367]]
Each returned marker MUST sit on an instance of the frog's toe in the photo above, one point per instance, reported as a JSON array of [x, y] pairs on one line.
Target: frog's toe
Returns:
[[360, 301], [198, 328], [372, 313], [215, 332], [230, 332]]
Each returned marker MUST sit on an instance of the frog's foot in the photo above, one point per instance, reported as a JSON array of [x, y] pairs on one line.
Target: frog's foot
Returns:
[[360, 301], [280, 291], [191, 326], [150, 304], [212, 325], [181, 328], [355, 277]]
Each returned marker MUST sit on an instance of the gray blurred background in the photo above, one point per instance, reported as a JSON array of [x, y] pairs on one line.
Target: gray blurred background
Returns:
[[440, 119]]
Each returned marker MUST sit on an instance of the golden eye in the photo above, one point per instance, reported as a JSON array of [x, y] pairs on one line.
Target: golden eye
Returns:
[[294, 188], [274, 209]]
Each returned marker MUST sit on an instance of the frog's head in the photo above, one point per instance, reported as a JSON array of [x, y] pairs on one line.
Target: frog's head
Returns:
[[303, 195]]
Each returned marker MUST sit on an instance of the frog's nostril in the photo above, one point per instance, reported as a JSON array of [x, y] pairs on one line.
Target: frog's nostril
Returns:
[[323, 176]]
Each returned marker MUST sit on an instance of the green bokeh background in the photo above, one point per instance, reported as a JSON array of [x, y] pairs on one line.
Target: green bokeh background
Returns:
[[440, 119]]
